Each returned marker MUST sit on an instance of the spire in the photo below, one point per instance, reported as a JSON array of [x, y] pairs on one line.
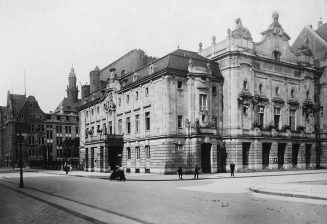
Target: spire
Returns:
[[72, 72]]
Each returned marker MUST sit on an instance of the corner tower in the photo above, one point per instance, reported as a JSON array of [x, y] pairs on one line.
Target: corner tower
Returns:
[[72, 90]]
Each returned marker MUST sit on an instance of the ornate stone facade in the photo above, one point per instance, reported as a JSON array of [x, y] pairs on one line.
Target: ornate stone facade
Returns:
[[270, 100], [155, 119]]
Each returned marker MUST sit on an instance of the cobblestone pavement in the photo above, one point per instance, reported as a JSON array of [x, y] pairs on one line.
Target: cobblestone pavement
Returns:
[[18, 208]]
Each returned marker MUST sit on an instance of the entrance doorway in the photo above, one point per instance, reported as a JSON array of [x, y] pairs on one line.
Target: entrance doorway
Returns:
[[281, 153], [307, 155], [295, 152], [205, 157], [115, 156], [221, 158], [245, 154], [86, 158], [265, 154]]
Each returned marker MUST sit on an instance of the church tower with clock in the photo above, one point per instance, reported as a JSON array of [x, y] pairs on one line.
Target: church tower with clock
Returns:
[[72, 89]]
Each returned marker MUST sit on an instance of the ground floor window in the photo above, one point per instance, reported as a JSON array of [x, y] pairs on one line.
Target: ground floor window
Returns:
[[147, 150]]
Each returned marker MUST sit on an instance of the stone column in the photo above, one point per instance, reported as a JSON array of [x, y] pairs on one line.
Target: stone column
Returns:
[[255, 155], [288, 156], [301, 157]]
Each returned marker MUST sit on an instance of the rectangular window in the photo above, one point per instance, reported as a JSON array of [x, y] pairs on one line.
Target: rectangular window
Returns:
[[33, 140], [180, 85], [127, 99], [32, 128], [214, 122], [137, 95], [58, 118], [276, 117], [67, 118], [58, 129], [128, 125], [146, 91], [147, 121], [137, 149], [203, 102], [137, 123], [128, 152], [76, 130], [180, 121], [39, 140], [261, 113], [43, 141], [292, 120], [110, 127], [119, 101], [30, 140], [120, 122], [147, 150], [214, 90]]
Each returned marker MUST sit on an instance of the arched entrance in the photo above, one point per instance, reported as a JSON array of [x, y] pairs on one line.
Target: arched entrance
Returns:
[[206, 157]]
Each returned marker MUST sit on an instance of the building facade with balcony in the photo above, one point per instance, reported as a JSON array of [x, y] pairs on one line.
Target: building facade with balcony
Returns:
[[161, 116], [270, 100]]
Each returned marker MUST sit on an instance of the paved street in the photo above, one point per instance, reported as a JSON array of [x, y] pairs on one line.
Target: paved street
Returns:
[[216, 198]]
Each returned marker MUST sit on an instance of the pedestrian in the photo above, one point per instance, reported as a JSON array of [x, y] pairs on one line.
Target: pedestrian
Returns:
[[196, 172], [66, 168], [180, 173], [232, 169]]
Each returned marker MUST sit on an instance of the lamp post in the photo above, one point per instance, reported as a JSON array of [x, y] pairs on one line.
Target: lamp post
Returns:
[[20, 139]]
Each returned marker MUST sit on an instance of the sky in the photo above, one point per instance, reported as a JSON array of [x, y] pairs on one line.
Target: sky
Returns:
[[45, 38]]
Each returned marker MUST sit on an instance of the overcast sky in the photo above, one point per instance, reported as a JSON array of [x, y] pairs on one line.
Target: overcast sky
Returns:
[[45, 37]]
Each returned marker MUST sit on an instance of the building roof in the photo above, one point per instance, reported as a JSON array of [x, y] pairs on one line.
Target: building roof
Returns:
[[176, 60], [66, 106], [322, 31], [16, 101]]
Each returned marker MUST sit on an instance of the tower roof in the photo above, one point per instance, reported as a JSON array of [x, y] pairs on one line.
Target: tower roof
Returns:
[[72, 72]]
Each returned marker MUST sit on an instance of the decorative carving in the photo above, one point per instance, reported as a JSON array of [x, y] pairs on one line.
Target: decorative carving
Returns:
[[240, 31]]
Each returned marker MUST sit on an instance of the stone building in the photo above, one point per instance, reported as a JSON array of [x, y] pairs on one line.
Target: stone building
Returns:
[[62, 126], [46, 134], [154, 118], [315, 42], [271, 96], [22, 115]]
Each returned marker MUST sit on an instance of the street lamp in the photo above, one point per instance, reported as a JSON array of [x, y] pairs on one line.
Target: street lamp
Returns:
[[20, 140]]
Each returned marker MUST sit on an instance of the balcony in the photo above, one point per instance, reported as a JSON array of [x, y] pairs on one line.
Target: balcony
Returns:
[[104, 138]]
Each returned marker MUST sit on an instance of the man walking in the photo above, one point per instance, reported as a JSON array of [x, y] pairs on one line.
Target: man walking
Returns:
[[196, 172], [180, 173], [232, 168]]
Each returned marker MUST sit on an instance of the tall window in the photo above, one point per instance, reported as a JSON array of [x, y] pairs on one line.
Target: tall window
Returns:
[[146, 91], [147, 121], [292, 119], [137, 123], [321, 111], [128, 153], [261, 113], [180, 85], [128, 125], [120, 122], [110, 127], [127, 99], [137, 95], [180, 121], [137, 149], [203, 102], [147, 150], [276, 117], [119, 101]]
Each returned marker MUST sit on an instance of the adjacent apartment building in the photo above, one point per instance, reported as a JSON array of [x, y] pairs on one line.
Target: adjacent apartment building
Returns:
[[164, 114], [49, 138]]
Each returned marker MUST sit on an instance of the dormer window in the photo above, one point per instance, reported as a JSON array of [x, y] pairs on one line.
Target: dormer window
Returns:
[[135, 77], [151, 69], [276, 55]]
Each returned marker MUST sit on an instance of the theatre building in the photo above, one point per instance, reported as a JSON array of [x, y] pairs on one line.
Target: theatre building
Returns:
[[271, 100], [154, 117]]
